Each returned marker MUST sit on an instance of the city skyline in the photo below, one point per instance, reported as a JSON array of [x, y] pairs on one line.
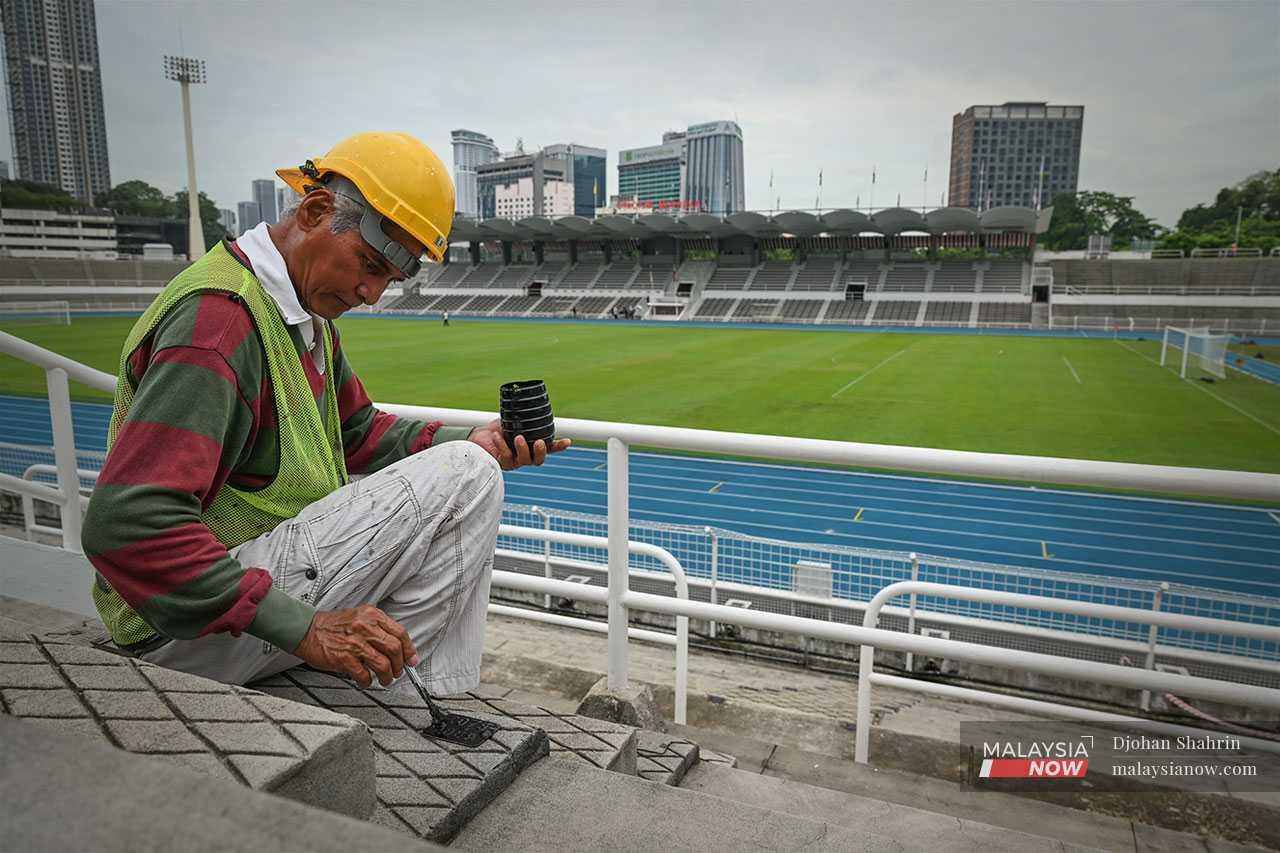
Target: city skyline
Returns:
[[807, 102]]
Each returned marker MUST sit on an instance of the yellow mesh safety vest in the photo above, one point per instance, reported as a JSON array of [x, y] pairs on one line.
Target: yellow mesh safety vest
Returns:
[[311, 459]]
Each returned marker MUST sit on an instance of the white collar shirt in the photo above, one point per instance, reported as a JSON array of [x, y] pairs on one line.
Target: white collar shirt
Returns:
[[269, 266]]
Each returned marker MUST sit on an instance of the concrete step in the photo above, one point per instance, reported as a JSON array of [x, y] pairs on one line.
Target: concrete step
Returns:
[[67, 791], [557, 806], [664, 758], [914, 829]]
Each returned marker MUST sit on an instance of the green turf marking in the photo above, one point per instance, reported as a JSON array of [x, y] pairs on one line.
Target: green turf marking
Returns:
[[849, 385], [1073, 371]]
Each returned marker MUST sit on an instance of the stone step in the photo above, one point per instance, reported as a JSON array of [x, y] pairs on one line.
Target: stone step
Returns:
[[913, 828], [664, 758], [310, 755], [431, 788], [67, 791], [558, 805]]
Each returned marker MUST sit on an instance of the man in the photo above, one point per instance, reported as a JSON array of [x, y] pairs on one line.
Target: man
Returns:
[[446, 318], [227, 538]]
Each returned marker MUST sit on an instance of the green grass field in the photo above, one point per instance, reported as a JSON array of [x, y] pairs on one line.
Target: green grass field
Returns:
[[1094, 399]]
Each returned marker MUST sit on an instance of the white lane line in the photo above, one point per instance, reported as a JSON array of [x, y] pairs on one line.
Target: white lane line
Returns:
[[1073, 371], [1199, 386], [868, 373], [1274, 516]]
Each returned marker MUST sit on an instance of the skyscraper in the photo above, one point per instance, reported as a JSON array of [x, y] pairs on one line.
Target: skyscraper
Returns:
[[585, 170], [1018, 153], [247, 215], [697, 169], [57, 124], [227, 219], [264, 193], [470, 149]]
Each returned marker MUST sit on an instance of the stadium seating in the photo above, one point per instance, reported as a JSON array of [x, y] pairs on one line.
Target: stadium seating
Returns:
[[818, 273], [410, 301], [628, 302], [450, 275], [581, 275], [711, 309], [955, 277], [729, 278], [1004, 312], [801, 310], [480, 276], [512, 276], [516, 305], [900, 311], [550, 271], [449, 302], [863, 270], [1002, 276], [481, 305], [849, 311], [755, 309], [772, 275], [947, 312], [590, 306], [554, 305], [905, 278], [617, 275]]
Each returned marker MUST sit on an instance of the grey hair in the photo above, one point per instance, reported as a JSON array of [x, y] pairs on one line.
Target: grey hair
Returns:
[[346, 212]]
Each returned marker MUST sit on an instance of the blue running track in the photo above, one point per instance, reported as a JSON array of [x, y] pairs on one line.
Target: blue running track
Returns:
[[1199, 544]]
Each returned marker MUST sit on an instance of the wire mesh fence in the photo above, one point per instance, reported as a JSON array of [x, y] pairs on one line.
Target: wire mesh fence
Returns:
[[775, 575]]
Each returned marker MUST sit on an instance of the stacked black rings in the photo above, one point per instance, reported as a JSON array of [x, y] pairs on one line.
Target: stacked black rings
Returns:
[[525, 409]]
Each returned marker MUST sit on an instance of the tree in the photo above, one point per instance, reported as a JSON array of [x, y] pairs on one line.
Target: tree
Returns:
[[136, 198], [1255, 200], [213, 230], [30, 195], [1077, 216]]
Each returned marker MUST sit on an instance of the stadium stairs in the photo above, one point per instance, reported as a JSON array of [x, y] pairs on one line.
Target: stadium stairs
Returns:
[[210, 764]]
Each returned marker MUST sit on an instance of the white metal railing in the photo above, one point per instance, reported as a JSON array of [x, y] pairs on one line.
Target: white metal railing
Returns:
[[619, 598], [1146, 678]]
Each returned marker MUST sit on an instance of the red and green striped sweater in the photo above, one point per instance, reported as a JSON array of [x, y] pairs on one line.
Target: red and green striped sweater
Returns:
[[204, 415]]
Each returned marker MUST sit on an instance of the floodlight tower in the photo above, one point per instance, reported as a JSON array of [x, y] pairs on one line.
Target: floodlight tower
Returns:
[[187, 71]]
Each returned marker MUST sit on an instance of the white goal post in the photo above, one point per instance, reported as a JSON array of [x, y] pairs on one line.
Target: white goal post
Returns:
[[1209, 349], [49, 311]]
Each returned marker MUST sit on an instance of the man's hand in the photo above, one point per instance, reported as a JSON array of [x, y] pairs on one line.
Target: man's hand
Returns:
[[357, 642], [490, 437]]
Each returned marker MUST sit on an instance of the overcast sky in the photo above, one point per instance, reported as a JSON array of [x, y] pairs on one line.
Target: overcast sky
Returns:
[[1180, 98]]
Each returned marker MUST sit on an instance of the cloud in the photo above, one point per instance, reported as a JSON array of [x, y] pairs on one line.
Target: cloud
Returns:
[[1180, 99]]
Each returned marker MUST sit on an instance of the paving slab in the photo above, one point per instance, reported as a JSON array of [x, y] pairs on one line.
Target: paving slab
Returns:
[[224, 731], [425, 787], [59, 792], [664, 758]]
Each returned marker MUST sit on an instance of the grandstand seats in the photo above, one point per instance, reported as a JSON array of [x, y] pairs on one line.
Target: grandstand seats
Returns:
[[1002, 276], [772, 275], [410, 301], [581, 275], [516, 305], [1004, 312], [710, 309], [955, 277], [480, 276], [848, 311], [512, 276], [1230, 275], [801, 310], [449, 302], [755, 309], [550, 271], [617, 275], [554, 305], [729, 278], [483, 304], [896, 311], [590, 306], [818, 273], [627, 302], [450, 275], [947, 312], [905, 278], [863, 270]]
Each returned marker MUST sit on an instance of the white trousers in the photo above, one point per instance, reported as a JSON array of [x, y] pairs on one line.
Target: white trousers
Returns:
[[416, 539]]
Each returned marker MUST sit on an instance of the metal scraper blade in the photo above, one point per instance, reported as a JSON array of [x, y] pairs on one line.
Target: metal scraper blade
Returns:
[[459, 729]]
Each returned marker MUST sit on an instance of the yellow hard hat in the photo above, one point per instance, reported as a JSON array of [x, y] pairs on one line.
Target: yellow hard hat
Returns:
[[400, 177]]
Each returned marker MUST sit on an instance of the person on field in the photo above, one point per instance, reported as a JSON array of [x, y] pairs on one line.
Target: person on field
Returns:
[[446, 318], [227, 533]]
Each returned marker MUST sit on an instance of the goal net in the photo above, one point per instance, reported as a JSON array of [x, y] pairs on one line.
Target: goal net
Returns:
[[53, 311], [1208, 350]]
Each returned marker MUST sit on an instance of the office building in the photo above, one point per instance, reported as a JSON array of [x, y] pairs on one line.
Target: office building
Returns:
[[52, 234], [584, 169], [4, 170], [247, 215], [516, 201], [1020, 153], [470, 150], [227, 219], [700, 168], [285, 197], [264, 194], [57, 125]]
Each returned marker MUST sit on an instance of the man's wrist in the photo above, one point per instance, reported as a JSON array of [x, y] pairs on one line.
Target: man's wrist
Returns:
[[448, 433], [281, 620]]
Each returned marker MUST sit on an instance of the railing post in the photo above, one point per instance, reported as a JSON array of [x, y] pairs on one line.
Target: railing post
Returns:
[[715, 561], [1151, 642], [546, 551], [911, 615], [64, 456], [619, 559]]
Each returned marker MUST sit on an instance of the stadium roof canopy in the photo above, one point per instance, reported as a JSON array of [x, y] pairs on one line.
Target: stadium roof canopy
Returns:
[[795, 223]]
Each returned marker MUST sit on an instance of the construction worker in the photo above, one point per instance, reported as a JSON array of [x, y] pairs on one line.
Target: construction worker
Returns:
[[228, 538]]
